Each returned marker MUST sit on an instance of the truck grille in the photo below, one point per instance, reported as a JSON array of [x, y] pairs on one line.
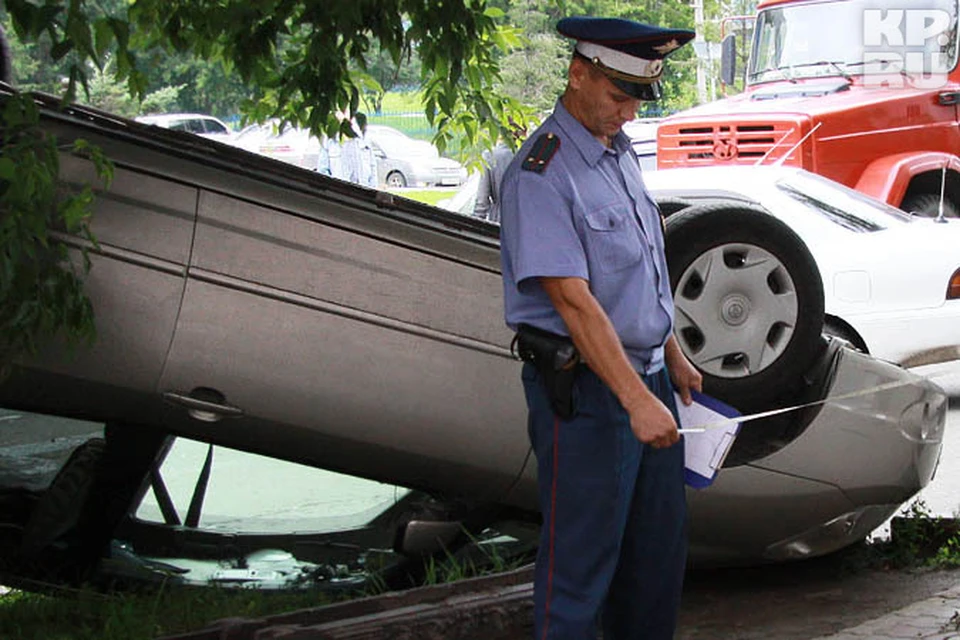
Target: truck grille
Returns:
[[690, 145]]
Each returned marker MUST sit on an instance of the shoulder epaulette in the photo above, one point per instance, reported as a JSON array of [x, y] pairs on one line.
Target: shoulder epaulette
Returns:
[[541, 152]]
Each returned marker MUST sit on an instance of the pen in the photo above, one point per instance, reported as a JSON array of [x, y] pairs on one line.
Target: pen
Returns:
[[700, 430]]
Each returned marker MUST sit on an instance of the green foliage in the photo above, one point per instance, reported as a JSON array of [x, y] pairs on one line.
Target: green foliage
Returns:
[[483, 556], [79, 33], [306, 60], [89, 615], [41, 292], [918, 539], [163, 100]]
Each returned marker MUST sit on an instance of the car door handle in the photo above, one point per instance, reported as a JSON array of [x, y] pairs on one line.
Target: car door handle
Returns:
[[204, 404], [947, 98]]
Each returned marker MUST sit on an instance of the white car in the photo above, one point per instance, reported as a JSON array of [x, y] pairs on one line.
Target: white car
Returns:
[[403, 161], [890, 281], [290, 144], [197, 123]]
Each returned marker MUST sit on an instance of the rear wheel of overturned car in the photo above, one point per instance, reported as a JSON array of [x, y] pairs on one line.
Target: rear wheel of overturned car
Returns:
[[396, 180], [749, 300]]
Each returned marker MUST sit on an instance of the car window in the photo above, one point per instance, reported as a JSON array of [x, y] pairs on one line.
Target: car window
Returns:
[[841, 205], [213, 126], [278, 496]]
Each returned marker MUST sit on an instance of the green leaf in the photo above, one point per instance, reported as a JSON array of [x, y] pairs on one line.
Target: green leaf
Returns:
[[7, 169]]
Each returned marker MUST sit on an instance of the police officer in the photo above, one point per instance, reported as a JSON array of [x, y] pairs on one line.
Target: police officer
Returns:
[[582, 259]]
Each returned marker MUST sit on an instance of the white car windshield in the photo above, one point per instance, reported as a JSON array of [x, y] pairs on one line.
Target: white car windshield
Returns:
[[854, 37], [839, 204]]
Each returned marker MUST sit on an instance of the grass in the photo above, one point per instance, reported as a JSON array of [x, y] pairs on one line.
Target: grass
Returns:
[[90, 615], [427, 196], [917, 540], [87, 614], [405, 102]]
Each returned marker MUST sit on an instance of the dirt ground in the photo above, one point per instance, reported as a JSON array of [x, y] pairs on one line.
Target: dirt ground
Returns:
[[799, 601]]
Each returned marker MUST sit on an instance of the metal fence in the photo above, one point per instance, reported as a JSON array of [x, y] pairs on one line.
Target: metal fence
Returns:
[[414, 125]]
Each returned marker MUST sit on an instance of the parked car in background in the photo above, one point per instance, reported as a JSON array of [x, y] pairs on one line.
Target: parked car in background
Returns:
[[200, 124], [290, 144], [751, 247], [407, 162]]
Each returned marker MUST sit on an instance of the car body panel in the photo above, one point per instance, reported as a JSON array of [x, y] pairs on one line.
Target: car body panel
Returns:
[[144, 228], [195, 123], [311, 298], [292, 145]]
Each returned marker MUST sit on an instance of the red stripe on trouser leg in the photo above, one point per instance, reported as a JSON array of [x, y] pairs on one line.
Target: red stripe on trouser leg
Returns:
[[553, 522]]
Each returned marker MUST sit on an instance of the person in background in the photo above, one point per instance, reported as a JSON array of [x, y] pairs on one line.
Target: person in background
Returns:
[[487, 206], [330, 162], [587, 291], [350, 159]]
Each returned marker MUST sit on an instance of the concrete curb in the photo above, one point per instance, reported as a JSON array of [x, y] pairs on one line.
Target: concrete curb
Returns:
[[936, 618]]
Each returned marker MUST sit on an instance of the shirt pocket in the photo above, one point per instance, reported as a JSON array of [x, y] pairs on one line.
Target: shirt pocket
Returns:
[[613, 238]]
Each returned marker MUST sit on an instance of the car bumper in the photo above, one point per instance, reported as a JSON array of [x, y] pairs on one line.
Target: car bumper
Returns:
[[865, 453]]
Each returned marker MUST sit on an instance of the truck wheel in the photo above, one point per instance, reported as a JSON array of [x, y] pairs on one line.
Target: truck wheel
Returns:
[[928, 206], [749, 299]]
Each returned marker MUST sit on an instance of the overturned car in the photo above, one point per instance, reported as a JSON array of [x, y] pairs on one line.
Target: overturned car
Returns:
[[247, 303]]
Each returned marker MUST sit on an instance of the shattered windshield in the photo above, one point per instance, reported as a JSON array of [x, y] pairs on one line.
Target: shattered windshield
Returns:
[[854, 37], [841, 205]]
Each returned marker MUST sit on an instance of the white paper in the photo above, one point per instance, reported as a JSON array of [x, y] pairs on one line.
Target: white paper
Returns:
[[706, 450]]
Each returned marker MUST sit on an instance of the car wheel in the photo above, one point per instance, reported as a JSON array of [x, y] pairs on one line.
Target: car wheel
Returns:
[[749, 299], [927, 205], [670, 206], [396, 180]]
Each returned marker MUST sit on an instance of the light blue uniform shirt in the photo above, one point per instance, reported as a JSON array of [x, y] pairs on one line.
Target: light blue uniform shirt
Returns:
[[587, 215]]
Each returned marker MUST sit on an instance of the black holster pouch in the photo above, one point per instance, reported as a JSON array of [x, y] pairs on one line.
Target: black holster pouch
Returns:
[[556, 361]]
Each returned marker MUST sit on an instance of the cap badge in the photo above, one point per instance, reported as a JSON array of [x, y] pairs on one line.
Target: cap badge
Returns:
[[667, 47]]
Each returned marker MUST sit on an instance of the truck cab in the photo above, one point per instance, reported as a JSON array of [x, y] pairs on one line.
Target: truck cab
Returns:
[[864, 92]]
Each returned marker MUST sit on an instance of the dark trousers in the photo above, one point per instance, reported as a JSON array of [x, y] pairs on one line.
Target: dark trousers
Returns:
[[613, 544]]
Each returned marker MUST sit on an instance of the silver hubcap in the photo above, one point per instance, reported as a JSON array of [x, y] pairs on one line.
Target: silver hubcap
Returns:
[[736, 310]]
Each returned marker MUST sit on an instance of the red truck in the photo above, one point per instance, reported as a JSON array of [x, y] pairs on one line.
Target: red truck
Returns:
[[865, 92]]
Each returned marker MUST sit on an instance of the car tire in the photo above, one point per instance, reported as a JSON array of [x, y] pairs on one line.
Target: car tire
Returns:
[[396, 180], [670, 206], [927, 205], [749, 300]]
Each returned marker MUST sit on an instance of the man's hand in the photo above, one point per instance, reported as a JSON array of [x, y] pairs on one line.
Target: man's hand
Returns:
[[595, 338], [652, 423], [684, 375]]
